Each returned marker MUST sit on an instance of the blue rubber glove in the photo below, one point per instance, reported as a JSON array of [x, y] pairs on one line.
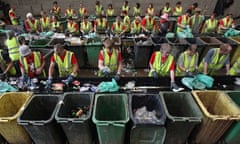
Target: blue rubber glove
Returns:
[[69, 80], [49, 83], [117, 77], [154, 74]]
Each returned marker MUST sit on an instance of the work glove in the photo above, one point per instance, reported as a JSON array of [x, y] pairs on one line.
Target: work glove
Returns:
[[154, 74], [23, 82], [117, 77], [189, 74], [175, 87], [49, 83], [197, 71], [3, 76], [69, 80], [106, 71]]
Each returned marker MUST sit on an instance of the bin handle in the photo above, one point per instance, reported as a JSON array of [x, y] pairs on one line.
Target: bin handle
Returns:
[[37, 123], [103, 124], [119, 125]]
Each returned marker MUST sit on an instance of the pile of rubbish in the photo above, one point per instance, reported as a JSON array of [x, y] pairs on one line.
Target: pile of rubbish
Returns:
[[142, 114]]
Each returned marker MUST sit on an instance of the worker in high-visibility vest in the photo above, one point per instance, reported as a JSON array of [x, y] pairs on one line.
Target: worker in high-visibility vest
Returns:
[[226, 23], [66, 62], [72, 27], [86, 26], [82, 10], [150, 10], [31, 24], [70, 12], [210, 25], [162, 64], [187, 63], [125, 7], [178, 9], [56, 10], [215, 59], [149, 24], [183, 21], [13, 17], [45, 22], [6, 65], [137, 10], [118, 27], [136, 26], [164, 24], [101, 24], [110, 11], [235, 69], [192, 8], [167, 9], [12, 45], [109, 60], [56, 25], [98, 8], [196, 21], [126, 21]]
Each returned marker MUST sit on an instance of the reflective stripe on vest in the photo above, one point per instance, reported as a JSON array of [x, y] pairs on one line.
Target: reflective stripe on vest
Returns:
[[185, 21], [98, 9], [81, 11], [33, 26], [101, 25], [136, 11], [190, 65], [166, 10], [210, 26], [161, 68], [70, 27], [13, 20], [12, 71], [112, 61], [216, 61], [235, 69], [118, 28], [55, 24], [70, 12], [110, 12], [136, 28], [65, 67], [178, 11], [86, 27], [45, 24], [13, 49], [37, 62]]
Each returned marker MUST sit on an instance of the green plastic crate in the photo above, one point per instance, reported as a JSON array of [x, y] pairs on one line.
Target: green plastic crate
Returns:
[[110, 114], [232, 136]]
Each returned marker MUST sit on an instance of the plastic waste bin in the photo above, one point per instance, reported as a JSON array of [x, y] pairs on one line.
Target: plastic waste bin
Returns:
[[38, 119], [232, 136], [219, 112], [110, 114], [183, 115], [173, 23], [79, 53], [111, 20], [11, 105], [200, 45], [236, 54], [93, 47], [232, 43], [178, 45], [147, 130], [157, 41], [142, 52], [209, 42], [77, 128]]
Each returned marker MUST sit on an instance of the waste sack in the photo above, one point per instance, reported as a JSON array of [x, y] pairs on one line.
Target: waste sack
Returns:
[[200, 81], [108, 86]]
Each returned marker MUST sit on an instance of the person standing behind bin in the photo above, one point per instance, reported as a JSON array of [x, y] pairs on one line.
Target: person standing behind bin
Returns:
[[126, 21], [150, 10], [136, 26], [101, 24], [164, 26], [215, 59], [110, 11], [31, 63], [210, 25], [118, 28], [109, 60], [56, 25], [192, 8], [187, 63], [125, 7], [31, 24], [66, 62], [177, 10], [137, 10], [13, 17], [70, 12], [183, 21], [226, 23], [149, 24], [98, 8], [166, 9], [45, 22], [82, 10], [162, 64], [72, 27], [196, 21], [56, 10], [13, 50], [86, 26], [235, 69]]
